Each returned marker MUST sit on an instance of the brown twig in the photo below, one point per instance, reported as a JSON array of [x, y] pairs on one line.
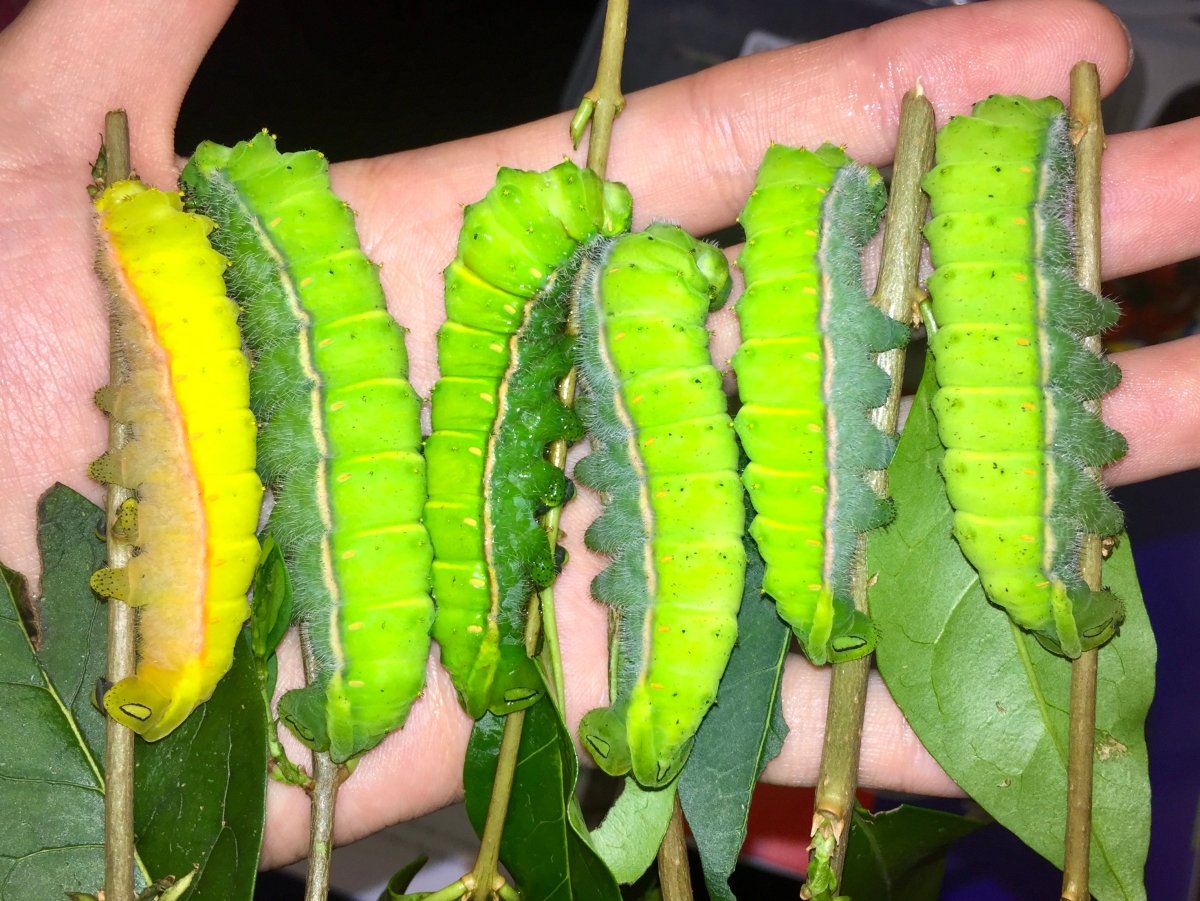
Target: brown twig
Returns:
[[674, 872], [897, 294], [1087, 134], [119, 848], [322, 798]]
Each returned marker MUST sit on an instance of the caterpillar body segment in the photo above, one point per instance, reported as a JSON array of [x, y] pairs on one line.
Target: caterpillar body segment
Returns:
[[189, 456], [665, 462], [1012, 372], [807, 379], [340, 441], [502, 351]]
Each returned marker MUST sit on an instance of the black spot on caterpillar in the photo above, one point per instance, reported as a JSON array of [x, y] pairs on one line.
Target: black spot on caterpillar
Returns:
[[502, 351], [807, 379], [665, 461], [340, 439], [1013, 373]]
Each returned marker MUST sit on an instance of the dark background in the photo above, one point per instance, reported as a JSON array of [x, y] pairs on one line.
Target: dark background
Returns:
[[357, 78]]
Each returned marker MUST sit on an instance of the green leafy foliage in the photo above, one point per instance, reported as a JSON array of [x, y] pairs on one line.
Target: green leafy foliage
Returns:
[[72, 627], [900, 854], [629, 837], [545, 845], [200, 792], [51, 789], [988, 702], [742, 732], [397, 886], [271, 613], [270, 616]]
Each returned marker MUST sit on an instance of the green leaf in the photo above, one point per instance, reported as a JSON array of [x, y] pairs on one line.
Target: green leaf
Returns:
[[401, 879], [900, 855], [51, 788], [545, 845], [989, 703], [201, 791], [271, 613], [72, 625], [633, 828], [742, 732]]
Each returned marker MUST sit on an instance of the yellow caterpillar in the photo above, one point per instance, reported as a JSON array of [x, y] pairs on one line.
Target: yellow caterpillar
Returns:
[[188, 455]]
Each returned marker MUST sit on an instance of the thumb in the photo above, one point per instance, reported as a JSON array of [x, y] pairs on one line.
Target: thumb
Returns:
[[63, 63]]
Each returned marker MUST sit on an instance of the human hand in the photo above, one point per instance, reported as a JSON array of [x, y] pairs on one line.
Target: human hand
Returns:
[[687, 150]]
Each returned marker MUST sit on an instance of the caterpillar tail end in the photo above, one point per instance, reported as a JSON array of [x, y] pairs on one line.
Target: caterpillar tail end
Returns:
[[602, 732], [1083, 619], [834, 632], [513, 698], [853, 639], [302, 710], [657, 749], [138, 705], [655, 770]]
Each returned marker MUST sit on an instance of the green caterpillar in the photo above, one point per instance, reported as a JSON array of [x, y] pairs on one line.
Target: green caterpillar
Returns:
[[502, 352], [340, 436], [665, 460], [1013, 373], [807, 378]]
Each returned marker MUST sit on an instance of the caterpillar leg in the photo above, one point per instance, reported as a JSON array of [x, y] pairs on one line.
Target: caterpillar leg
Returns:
[[603, 733], [925, 314], [125, 524], [302, 710], [111, 583], [104, 398], [1083, 618], [105, 469], [853, 639]]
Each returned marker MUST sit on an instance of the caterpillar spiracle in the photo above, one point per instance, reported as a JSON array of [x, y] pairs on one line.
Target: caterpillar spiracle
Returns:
[[502, 352], [340, 438], [807, 378], [665, 462], [189, 454], [1013, 374]]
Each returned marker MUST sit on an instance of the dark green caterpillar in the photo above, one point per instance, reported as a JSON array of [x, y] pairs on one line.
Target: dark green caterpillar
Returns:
[[502, 351], [1013, 373], [340, 438], [807, 379], [665, 461]]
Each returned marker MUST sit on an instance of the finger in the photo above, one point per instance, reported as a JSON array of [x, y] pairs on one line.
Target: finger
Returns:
[[892, 757], [1157, 408], [1151, 192], [848, 90], [425, 757], [63, 63], [414, 771], [688, 149]]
